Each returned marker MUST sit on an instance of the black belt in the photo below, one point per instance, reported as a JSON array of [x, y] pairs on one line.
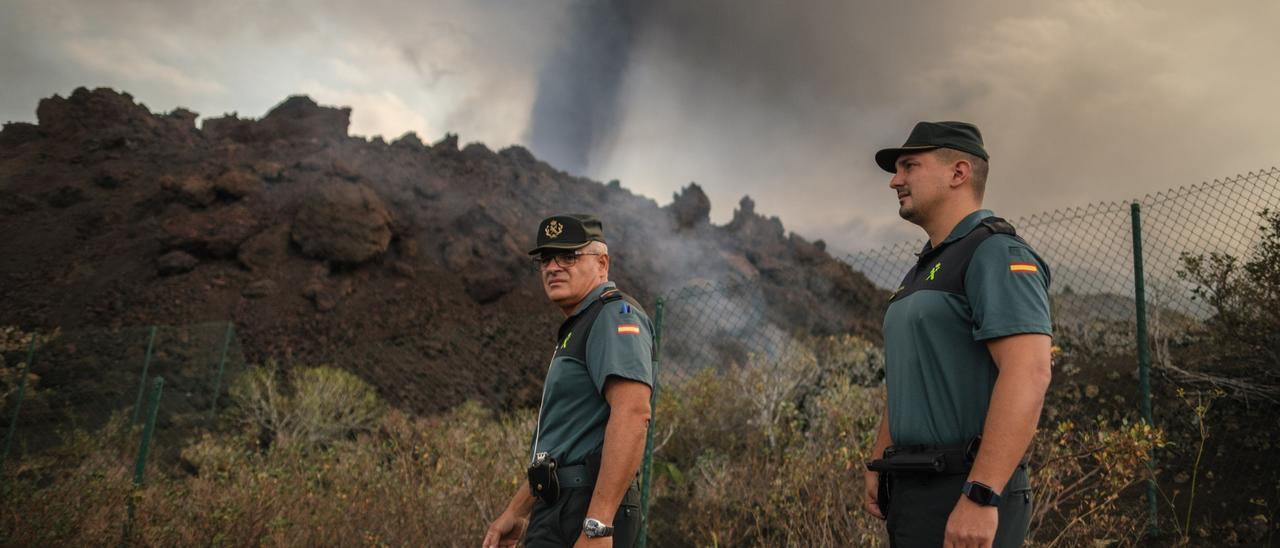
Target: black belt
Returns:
[[924, 460], [930, 459], [578, 475]]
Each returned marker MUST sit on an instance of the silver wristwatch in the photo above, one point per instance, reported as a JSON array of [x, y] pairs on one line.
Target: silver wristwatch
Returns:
[[595, 528]]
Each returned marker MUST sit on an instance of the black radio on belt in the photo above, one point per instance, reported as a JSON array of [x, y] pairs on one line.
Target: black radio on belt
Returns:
[[544, 484]]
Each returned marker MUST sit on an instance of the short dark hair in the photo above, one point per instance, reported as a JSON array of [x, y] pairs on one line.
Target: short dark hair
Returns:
[[980, 167]]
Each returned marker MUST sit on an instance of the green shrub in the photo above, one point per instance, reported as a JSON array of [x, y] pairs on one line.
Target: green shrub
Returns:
[[1244, 296], [15, 340], [318, 406], [765, 454], [1079, 478]]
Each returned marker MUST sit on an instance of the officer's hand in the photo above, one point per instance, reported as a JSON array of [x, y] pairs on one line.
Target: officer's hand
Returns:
[[584, 542], [971, 525], [505, 531], [870, 499]]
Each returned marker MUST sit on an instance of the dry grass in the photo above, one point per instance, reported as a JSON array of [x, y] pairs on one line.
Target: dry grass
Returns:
[[408, 481], [745, 461]]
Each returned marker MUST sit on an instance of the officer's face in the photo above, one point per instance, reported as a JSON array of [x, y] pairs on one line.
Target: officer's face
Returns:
[[920, 183], [568, 285]]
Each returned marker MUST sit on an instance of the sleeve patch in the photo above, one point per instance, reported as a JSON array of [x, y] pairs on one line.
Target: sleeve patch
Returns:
[[629, 329], [1029, 268]]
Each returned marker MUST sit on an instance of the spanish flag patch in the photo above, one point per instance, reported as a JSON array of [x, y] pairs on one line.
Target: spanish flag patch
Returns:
[[1023, 267], [629, 329]]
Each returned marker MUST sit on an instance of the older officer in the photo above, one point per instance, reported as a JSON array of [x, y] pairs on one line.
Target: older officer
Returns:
[[967, 338], [590, 435]]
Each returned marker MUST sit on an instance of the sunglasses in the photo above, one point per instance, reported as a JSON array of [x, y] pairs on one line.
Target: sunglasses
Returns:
[[564, 260]]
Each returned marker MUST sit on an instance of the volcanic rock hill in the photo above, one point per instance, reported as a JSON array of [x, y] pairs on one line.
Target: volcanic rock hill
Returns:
[[400, 261]]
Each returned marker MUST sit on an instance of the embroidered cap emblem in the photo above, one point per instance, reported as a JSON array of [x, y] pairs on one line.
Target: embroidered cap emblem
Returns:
[[554, 228]]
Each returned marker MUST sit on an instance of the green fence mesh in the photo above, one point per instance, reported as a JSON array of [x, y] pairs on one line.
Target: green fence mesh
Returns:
[[78, 379]]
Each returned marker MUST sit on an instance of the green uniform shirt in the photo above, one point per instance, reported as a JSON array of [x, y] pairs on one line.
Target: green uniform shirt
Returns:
[[939, 372], [574, 412]]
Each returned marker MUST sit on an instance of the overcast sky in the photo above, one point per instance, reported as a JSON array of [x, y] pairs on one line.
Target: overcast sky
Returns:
[[1080, 101]]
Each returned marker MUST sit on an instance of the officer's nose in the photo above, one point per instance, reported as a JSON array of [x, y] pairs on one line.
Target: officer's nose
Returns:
[[897, 181]]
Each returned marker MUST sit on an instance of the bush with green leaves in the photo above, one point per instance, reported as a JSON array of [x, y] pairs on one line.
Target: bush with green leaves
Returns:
[[1244, 296], [313, 408]]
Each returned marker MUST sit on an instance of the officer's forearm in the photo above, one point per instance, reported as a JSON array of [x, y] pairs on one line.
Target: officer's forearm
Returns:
[[882, 441], [522, 502], [1015, 406], [882, 436], [624, 439]]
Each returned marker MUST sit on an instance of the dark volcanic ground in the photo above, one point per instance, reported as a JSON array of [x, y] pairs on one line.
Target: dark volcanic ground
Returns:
[[400, 261]]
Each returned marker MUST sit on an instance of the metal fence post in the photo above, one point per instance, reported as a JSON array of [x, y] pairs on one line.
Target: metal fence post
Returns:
[[646, 475], [222, 361], [22, 389], [142, 384], [1144, 373], [140, 466]]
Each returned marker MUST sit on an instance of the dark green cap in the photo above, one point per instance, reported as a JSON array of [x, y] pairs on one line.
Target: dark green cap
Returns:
[[961, 136], [568, 232]]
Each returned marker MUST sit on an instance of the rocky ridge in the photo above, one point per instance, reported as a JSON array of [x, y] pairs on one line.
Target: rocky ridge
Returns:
[[402, 261]]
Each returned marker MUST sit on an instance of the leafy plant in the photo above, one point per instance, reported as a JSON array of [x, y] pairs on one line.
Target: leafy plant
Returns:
[[317, 406], [1244, 296]]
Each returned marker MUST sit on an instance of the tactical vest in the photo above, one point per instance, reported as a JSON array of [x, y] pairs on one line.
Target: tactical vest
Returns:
[[943, 268], [574, 332]]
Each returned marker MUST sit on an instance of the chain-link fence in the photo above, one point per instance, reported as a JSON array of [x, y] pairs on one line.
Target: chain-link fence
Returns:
[[155, 384], [1210, 285], [78, 379]]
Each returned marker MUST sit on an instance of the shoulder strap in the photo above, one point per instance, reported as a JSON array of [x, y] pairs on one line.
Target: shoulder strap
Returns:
[[575, 333], [944, 268], [616, 294], [993, 226], [987, 228], [998, 225]]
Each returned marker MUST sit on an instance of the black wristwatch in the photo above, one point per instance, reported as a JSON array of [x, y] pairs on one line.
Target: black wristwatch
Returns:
[[595, 528], [981, 493]]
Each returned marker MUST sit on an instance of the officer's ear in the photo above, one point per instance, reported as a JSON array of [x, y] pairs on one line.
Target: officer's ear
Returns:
[[604, 262], [961, 171]]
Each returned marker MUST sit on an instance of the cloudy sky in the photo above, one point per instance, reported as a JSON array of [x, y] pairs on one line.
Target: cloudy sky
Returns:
[[1080, 101]]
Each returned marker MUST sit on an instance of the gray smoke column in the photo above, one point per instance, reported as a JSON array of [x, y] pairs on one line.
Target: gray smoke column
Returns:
[[577, 105]]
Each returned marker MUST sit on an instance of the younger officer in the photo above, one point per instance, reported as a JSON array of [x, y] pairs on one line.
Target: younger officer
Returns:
[[590, 435], [967, 338]]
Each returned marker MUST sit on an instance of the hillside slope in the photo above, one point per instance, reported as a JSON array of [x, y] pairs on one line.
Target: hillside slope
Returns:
[[401, 261]]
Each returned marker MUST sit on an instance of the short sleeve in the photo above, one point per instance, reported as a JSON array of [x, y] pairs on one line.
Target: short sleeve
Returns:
[[1007, 285], [621, 344]]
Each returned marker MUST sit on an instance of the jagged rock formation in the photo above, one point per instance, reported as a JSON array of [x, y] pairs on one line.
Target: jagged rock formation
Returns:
[[691, 207], [403, 262]]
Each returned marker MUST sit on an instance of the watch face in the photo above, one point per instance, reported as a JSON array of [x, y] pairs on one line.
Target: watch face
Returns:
[[593, 528], [980, 493]]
